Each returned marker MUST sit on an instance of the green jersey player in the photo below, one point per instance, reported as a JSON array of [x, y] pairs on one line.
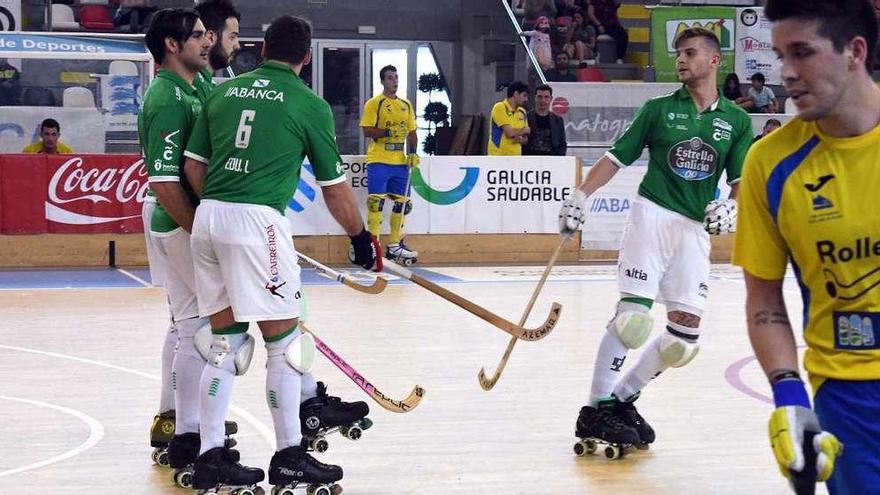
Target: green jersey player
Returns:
[[692, 135], [245, 157], [221, 19]]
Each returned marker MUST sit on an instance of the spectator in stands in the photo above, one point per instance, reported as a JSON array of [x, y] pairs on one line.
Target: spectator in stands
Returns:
[[508, 130], [582, 45], [539, 8], [50, 132], [10, 84], [135, 14], [732, 89], [562, 72], [548, 130], [769, 126], [539, 43], [760, 98], [567, 9], [603, 15]]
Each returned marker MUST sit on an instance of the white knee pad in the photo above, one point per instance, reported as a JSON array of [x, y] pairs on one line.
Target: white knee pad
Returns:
[[300, 353], [223, 346], [678, 349], [633, 324], [202, 341]]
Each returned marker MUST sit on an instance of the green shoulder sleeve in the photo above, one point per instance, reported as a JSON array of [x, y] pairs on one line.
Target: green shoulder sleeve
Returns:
[[321, 145], [164, 137], [629, 146]]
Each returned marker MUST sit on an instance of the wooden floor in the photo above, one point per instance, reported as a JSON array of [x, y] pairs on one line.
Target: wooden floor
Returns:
[[80, 386]]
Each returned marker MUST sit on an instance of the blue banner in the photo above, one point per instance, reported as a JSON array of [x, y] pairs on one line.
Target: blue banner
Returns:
[[25, 42]]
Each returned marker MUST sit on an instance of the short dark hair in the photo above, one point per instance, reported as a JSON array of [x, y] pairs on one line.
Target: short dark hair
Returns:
[[385, 70], [839, 21], [288, 39], [561, 53], [757, 76], [516, 87], [698, 32], [544, 87], [773, 121], [214, 14], [51, 124], [177, 24]]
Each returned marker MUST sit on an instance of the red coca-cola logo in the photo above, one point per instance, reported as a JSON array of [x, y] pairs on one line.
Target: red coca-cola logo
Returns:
[[83, 193]]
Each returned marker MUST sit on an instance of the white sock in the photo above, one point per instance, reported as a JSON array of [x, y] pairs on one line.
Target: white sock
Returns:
[[166, 398], [215, 392], [283, 391], [608, 366], [649, 365], [309, 387], [188, 367]]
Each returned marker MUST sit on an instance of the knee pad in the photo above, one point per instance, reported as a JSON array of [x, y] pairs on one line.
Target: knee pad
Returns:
[[300, 353], [632, 324], [375, 203], [241, 351], [202, 340], [678, 348], [402, 207]]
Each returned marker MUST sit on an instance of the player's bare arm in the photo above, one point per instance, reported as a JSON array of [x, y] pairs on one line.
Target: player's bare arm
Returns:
[[769, 328], [195, 173], [342, 205], [412, 140], [375, 132], [173, 198]]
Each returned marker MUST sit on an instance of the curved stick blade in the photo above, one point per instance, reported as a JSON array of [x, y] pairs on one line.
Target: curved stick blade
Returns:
[[378, 285], [538, 333], [399, 406]]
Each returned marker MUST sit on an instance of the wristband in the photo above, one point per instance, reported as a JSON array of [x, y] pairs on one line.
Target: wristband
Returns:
[[387, 133], [789, 390]]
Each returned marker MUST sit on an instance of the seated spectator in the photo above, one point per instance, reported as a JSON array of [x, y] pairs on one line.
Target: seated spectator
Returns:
[[582, 45], [135, 14], [562, 72], [539, 8], [732, 89], [50, 132], [539, 43], [760, 98], [10, 84], [567, 8], [603, 15], [769, 126], [547, 135]]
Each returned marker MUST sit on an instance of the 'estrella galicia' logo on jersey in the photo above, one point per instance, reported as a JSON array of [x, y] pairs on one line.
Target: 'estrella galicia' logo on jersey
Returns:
[[693, 159], [820, 183]]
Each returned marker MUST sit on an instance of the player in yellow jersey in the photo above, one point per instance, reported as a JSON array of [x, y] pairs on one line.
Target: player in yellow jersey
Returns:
[[807, 198], [389, 122]]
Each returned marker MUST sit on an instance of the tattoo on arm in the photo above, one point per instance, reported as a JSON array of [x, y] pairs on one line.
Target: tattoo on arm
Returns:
[[770, 318]]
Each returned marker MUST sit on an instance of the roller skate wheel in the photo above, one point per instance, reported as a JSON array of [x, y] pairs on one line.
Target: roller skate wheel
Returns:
[[318, 490], [183, 479], [243, 491], [612, 452], [585, 447], [353, 433], [335, 489], [408, 262], [154, 456], [162, 458], [283, 491], [320, 444], [365, 423]]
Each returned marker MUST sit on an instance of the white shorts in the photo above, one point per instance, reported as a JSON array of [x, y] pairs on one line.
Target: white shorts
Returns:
[[664, 256], [244, 258], [171, 266]]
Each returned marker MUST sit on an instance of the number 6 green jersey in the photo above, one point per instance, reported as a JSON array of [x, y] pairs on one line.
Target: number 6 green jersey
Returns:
[[688, 150], [254, 133]]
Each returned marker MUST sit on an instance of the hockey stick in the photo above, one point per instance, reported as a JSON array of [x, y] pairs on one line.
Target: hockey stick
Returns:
[[488, 383], [398, 406], [518, 331], [378, 285]]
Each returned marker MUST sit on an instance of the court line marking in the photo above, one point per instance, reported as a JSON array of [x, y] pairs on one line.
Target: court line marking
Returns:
[[96, 433], [134, 277], [263, 430]]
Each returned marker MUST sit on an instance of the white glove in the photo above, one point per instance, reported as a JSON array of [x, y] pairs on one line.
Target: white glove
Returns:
[[720, 217], [573, 213]]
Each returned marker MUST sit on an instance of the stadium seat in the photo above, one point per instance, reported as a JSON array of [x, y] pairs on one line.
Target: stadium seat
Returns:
[[606, 49], [590, 74], [123, 68], [62, 18], [95, 18], [78, 96]]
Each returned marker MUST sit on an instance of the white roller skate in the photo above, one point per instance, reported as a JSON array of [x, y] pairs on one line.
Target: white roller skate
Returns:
[[400, 253]]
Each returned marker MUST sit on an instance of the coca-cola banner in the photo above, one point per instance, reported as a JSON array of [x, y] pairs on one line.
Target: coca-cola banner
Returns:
[[71, 193]]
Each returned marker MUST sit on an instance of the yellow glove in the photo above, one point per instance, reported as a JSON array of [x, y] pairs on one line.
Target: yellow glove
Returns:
[[791, 427], [412, 160]]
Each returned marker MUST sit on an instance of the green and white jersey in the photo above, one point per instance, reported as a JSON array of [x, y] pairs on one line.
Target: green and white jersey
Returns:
[[165, 122], [688, 150], [204, 83], [254, 134]]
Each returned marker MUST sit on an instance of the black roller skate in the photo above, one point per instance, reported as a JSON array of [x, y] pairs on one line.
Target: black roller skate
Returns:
[[602, 426], [400, 253], [293, 468], [324, 414], [626, 410], [161, 433], [184, 449], [218, 471]]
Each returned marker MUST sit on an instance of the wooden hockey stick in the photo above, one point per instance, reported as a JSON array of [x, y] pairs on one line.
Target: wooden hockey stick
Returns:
[[488, 383], [377, 286], [398, 406], [518, 331]]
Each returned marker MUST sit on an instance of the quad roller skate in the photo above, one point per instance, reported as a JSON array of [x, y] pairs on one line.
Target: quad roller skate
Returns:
[[626, 411], [161, 433], [184, 449], [603, 428], [293, 468], [400, 253], [218, 471], [324, 414]]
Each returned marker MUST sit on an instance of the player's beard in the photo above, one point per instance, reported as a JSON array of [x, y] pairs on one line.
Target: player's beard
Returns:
[[218, 58]]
